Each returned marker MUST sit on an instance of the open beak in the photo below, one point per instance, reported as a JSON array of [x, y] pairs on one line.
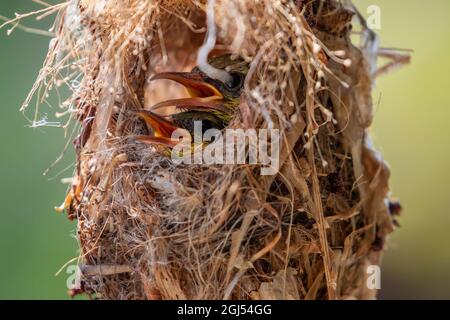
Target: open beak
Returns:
[[202, 94], [162, 130], [160, 126]]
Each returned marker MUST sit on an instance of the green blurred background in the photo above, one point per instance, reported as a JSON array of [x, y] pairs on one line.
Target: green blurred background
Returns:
[[412, 128]]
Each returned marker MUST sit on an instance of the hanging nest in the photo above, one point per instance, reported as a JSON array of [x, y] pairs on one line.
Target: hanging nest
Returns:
[[151, 229]]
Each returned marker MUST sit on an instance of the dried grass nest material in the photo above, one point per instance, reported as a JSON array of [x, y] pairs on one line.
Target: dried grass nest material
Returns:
[[148, 229]]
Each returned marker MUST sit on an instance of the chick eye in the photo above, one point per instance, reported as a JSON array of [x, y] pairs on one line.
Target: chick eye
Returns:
[[237, 81]]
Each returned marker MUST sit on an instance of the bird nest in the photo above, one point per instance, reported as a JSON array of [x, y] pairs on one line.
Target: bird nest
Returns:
[[152, 229]]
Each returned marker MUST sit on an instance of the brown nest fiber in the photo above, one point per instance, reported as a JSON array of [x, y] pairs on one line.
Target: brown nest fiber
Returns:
[[149, 229]]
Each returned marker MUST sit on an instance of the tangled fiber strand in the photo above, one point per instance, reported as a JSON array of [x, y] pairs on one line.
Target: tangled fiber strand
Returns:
[[150, 229]]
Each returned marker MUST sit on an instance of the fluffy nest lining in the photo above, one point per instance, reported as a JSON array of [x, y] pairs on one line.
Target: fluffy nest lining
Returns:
[[149, 229]]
